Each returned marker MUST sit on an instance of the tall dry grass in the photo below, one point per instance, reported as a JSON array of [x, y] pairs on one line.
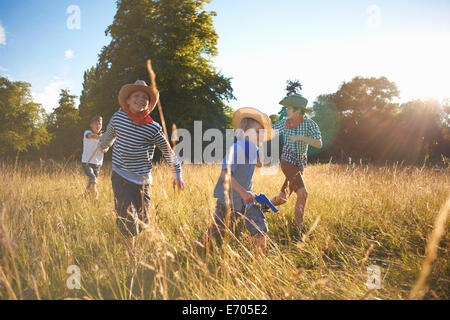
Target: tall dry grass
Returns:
[[356, 216]]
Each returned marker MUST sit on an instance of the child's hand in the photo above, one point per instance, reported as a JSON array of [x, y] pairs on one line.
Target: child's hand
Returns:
[[178, 183], [295, 138], [248, 197]]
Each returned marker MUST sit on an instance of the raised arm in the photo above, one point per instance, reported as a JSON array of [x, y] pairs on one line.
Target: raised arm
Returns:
[[108, 137], [316, 143], [313, 137], [94, 136]]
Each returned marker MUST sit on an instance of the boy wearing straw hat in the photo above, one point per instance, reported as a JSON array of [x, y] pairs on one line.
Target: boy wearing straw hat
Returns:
[[296, 133], [135, 136], [253, 128], [92, 158]]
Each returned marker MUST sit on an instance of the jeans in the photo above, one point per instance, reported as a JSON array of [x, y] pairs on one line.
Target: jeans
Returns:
[[128, 198], [253, 216], [92, 171]]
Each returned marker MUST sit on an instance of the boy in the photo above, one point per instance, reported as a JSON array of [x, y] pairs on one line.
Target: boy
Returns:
[[92, 162], [296, 133], [242, 157], [135, 136]]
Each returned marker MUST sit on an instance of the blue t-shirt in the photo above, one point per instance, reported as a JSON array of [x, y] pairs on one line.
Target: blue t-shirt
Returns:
[[242, 156]]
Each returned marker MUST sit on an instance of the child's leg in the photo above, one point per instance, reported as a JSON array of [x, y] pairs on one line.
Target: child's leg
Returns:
[[90, 173], [255, 222], [259, 241], [280, 199], [124, 196], [142, 204], [91, 187], [96, 170], [221, 222], [93, 184], [292, 183], [302, 196]]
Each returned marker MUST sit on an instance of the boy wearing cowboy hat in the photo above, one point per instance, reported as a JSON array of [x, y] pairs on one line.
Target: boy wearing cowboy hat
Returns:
[[253, 128], [135, 136], [296, 133]]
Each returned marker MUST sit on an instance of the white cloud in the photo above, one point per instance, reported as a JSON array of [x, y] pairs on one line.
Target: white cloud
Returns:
[[50, 95], [69, 54], [2, 34], [3, 69]]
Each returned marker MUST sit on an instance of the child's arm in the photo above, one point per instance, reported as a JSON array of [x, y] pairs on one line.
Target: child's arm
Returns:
[[248, 196], [313, 136], [170, 157], [316, 143], [94, 136], [108, 137]]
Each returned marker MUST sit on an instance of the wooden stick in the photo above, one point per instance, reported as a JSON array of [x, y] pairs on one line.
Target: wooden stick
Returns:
[[153, 85], [174, 135], [152, 76]]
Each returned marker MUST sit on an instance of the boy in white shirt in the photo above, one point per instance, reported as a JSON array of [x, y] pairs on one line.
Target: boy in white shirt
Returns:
[[92, 162]]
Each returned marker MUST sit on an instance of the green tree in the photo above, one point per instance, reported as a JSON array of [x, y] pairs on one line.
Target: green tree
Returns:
[[327, 118], [64, 126], [89, 100], [292, 87], [366, 110], [420, 131], [21, 120], [179, 37]]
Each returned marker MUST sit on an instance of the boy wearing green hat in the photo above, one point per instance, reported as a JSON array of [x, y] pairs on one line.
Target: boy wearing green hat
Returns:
[[296, 133]]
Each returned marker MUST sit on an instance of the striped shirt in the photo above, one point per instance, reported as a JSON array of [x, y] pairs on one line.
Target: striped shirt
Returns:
[[134, 148], [296, 152]]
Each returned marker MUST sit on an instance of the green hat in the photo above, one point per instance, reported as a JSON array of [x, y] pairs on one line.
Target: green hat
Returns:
[[296, 102]]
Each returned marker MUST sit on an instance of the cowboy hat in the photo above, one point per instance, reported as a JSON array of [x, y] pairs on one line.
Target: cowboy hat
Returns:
[[256, 115], [296, 101], [139, 85]]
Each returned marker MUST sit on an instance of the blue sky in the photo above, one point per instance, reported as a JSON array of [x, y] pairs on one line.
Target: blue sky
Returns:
[[262, 43]]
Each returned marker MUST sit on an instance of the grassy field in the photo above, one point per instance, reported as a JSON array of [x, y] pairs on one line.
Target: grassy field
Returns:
[[356, 216]]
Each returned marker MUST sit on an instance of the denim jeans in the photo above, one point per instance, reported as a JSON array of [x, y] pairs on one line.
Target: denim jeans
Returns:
[[91, 171], [253, 217], [128, 200]]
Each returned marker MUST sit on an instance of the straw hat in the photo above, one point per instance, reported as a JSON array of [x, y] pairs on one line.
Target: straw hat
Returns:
[[139, 85], [296, 101], [254, 114]]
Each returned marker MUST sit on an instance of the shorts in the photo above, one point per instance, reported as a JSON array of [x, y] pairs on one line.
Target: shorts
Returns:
[[294, 180], [92, 171], [128, 204], [254, 218]]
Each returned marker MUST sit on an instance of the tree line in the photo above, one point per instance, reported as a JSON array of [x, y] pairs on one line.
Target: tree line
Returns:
[[361, 120]]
